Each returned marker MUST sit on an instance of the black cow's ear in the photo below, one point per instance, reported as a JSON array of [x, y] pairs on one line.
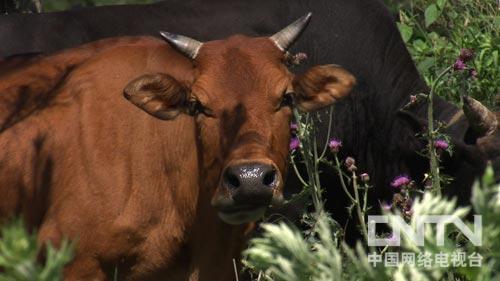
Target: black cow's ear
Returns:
[[158, 94], [321, 86]]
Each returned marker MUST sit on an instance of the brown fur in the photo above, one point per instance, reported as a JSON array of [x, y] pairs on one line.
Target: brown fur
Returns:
[[134, 191], [27, 82]]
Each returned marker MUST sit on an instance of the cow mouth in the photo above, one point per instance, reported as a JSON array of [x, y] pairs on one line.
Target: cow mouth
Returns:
[[241, 213]]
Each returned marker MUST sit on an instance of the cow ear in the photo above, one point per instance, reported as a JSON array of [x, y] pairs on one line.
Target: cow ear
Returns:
[[158, 94], [321, 86]]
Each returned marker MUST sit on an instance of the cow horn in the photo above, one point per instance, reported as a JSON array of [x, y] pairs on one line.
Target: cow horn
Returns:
[[284, 38], [481, 119], [186, 45]]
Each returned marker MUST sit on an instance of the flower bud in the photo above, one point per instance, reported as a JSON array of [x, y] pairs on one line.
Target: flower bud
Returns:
[[350, 164], [349, 161], [459, 65], [364, 177], [334, 145], [466, 55], [413, 99]]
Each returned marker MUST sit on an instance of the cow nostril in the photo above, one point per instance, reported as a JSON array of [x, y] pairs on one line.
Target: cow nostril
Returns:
[[232, 180], [269, 178]]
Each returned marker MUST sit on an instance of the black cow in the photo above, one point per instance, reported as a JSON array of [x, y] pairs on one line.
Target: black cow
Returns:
[[49, 32], [360, 35]]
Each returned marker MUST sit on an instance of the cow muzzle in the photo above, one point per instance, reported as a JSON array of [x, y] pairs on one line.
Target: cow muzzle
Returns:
[[246, 190]]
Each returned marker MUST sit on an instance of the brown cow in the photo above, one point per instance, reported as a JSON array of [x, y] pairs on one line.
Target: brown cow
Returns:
[[27, 82], [155, 199]]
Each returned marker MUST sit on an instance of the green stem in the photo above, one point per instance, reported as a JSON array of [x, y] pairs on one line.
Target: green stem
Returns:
[[311, 164], [319, 208], [328, 134], [365, 197], [361, 215], [341, 177], [299, 176], [431, 135], [434, 165]]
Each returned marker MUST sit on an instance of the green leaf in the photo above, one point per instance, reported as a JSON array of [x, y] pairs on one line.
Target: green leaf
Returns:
[[489, 176], [406, 31], [440, 4], [452, 14], [433, 36], [420, 46], [425, 64], [497, 22], [431, 14]]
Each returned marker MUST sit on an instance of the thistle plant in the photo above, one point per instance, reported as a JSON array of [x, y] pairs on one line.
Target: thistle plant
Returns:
[[437, 142], [304, 144], [432, 133], [282, 252], [355, 198], [304, 141], [20, 252]]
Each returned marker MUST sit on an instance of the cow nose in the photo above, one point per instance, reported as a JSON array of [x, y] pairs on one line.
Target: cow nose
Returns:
[[251, 183]]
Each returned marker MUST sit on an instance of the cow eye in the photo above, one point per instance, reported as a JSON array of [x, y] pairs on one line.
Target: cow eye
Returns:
[[287, 100], [195, 107]]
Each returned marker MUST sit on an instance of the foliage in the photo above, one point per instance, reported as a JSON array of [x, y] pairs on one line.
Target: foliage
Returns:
[[20, 253], [20, 6], [486, 201], [59, 5], [33, 6], [436, 30], [283, 253]]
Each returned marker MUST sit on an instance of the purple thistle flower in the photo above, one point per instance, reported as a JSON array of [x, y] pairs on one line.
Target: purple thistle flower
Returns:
[[441, 144], [334, 145], [294, 127], [459, 65], [466, 55], [400, 180], [294, 143]]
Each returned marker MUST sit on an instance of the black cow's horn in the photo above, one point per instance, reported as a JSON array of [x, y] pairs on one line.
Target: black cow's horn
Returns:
[[284, 38], [481, 119], [188, 46]]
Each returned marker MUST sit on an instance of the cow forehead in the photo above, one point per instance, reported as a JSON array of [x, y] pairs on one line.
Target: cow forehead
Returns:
[[241, 67], [261, 46]]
